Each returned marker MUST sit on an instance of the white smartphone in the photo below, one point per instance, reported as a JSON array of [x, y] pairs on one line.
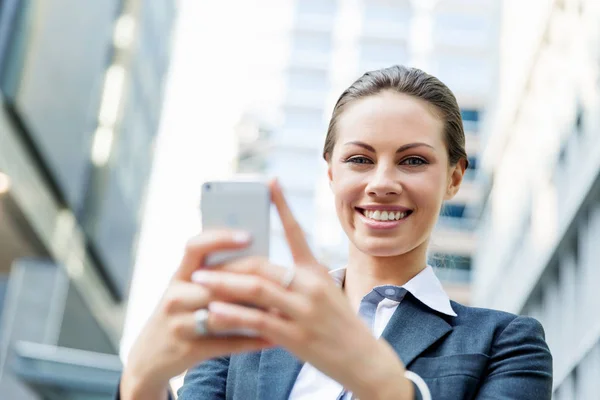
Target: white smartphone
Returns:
[[243, 205], [240, 205]]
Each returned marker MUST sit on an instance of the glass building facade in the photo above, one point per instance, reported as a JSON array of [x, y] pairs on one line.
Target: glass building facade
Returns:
[[538, 238], [81, 96]]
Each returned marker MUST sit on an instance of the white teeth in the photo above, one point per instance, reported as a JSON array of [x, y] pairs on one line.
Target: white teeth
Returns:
[[385, 215]]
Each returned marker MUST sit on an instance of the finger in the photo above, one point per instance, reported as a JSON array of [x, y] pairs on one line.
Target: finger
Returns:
[[251, 289], [227, 317], [183, 326], [258, 266], [184, 296], [206, 242], [294, 234], [301, 279]]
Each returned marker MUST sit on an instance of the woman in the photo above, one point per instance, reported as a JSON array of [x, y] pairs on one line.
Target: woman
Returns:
[[395, 150]]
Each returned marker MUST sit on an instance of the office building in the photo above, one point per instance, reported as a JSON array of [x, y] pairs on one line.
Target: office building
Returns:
[[81, 93], [538, 250], [331, 43]]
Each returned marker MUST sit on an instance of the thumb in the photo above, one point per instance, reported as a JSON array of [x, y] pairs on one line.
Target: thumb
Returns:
[[205, 243]]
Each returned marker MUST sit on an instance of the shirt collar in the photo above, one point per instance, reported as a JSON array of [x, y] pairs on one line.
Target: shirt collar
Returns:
[[425, 286]]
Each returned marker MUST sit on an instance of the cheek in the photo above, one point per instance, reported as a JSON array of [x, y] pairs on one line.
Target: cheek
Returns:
[[347, 187], [427, 191]]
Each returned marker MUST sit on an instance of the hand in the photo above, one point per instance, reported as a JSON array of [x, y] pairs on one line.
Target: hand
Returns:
[[311, 318], [168, 344]]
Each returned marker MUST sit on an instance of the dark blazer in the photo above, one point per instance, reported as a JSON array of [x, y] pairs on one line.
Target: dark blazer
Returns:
[[479, 354]]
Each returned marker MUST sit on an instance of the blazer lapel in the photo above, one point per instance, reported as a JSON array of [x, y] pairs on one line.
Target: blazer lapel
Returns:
[[277, 374], [413, 328]]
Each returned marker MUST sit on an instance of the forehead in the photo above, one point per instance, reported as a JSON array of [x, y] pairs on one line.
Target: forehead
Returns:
[[390, 117]]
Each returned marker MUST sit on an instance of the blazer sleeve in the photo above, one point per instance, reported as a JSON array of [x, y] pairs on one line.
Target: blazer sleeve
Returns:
[[206, 381], [118, 393], [520, 364]]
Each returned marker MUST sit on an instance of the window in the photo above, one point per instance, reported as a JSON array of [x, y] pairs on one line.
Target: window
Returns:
[[313, 42], [472, 162], [133, 155], [302, 127], [385, 52], [463, 72], [470, 120], [3, 289], [473, 24], [13, 44], [451, 267], [308, 80], [452, 261], [388, 12], [387, 19], [303, 119], [462, 29], [454, 216], [59, 63], [453, 210], [316, 7], [470, 115]]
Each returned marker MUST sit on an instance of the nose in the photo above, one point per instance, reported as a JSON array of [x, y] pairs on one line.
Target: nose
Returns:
[[384, 182]]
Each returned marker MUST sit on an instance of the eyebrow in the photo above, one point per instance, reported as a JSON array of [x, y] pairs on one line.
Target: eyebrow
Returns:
[[400, 149]]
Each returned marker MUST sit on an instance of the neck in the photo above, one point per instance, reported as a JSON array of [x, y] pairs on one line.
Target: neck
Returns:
[[364, 272]]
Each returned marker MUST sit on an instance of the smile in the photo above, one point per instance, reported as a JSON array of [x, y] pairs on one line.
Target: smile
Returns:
[[383, 219]]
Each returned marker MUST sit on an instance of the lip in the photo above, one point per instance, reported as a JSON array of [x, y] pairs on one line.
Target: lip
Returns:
[[371, 223], [375, 207]]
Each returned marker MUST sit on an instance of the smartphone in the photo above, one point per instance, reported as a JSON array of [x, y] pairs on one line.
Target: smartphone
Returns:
[[240, 205]]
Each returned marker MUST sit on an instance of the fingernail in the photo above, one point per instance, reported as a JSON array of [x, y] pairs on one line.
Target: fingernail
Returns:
[[202, 277], [241, 237], [220, 308]]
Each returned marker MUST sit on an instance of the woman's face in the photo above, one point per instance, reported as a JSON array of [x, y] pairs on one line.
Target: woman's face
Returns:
[[389, 173]]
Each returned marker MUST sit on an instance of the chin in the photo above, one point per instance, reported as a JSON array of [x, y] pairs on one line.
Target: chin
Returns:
[[378, 247]]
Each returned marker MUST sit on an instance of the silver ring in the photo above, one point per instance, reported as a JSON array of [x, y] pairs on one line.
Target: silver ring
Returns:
[[288, 277], [201, 322]]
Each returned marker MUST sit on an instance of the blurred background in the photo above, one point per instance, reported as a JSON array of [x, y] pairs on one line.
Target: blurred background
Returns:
[[113, 113]]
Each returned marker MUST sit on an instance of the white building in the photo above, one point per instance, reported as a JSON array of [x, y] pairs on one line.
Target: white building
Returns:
[[331, 43], [540, 235]]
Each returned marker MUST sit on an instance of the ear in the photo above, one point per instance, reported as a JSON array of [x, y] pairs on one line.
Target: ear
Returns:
[[455, 177], [329, 172]]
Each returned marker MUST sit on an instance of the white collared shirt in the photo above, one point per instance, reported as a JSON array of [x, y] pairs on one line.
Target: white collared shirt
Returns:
[[313, 384]]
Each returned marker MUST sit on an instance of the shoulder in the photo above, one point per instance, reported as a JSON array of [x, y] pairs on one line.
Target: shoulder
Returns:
[[489, 316], [518, 360], [464, 311], [500, 325]]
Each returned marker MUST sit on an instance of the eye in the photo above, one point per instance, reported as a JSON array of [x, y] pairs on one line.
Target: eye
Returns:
[[414, 161], [359, 160]]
